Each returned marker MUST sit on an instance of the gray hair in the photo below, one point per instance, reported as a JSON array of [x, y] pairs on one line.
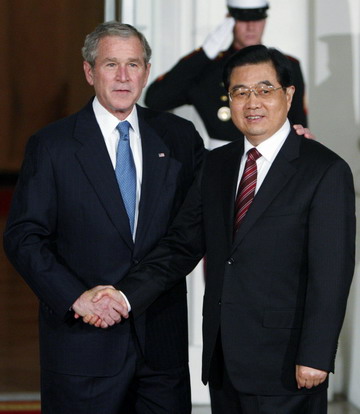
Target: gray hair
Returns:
[[89, 51]]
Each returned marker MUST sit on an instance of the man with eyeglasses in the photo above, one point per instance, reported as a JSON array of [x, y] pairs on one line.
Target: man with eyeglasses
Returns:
[[197, 78], [275, 215]]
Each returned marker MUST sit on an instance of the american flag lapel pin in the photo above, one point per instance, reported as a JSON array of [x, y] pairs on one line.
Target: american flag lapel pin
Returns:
[[161, 155]]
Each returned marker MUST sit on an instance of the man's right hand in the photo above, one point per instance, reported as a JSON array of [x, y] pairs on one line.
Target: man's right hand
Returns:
[[300, 130], [102, 313], [307, 377]]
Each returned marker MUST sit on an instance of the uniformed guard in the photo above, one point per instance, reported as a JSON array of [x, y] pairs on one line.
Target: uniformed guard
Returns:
[[197, 78]]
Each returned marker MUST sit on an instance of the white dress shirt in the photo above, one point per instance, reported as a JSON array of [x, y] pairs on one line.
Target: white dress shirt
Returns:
[[268, 149], [108, 123]]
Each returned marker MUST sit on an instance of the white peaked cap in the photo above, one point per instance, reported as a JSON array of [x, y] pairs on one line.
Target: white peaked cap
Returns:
[[247, 4]]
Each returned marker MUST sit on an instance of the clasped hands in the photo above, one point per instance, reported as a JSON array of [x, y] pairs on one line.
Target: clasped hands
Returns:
[[101, 306]]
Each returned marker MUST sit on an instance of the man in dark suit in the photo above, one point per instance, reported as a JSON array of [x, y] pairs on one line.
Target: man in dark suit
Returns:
[[197, 78], [70, 232], [279, 264]]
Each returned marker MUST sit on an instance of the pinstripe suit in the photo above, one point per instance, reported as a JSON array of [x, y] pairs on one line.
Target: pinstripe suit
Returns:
[[68, 231]]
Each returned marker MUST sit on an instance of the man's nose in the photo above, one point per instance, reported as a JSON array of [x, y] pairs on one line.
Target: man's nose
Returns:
[[122, 73], [253, 99]]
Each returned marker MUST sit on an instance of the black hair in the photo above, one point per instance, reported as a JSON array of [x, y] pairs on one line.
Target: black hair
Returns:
[[253, 55]]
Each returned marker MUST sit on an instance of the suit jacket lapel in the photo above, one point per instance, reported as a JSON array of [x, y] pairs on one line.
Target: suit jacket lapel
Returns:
[[156, 158], [95, 161], [279, 174], [231, 165]]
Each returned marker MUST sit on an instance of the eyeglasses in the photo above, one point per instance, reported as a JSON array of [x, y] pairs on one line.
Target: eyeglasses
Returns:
[[261, 91]]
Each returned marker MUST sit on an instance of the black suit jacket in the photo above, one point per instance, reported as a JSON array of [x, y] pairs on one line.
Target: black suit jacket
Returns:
[[68, 231], [277, 292]]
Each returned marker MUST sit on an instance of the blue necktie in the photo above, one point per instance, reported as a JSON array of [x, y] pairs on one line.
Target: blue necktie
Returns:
[[125, 172]]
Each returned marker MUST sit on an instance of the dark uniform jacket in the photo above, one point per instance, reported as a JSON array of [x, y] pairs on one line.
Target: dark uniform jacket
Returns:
[[197, 80]]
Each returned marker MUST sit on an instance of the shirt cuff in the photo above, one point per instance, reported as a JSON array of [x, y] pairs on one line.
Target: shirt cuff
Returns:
[[126, 300]]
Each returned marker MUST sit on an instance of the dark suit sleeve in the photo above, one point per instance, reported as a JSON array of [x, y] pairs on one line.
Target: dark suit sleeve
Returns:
[[31, 233], [175, 256], [170, 90], [331, 258]]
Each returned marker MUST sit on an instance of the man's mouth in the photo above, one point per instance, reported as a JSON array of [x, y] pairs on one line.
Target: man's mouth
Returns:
[[121, 90]]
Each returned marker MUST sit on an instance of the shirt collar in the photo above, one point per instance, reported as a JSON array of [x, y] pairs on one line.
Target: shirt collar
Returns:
[[108, 122], [270, 147]]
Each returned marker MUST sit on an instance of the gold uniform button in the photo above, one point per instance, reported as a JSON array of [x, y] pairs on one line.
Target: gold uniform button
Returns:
[[224, 113]]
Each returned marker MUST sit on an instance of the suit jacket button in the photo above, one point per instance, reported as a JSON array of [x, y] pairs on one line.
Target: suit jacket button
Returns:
[[135, 262], [230, 261]]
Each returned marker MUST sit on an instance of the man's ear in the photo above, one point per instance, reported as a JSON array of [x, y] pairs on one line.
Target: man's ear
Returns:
[[147, 70], [89, 75], [290, 90]]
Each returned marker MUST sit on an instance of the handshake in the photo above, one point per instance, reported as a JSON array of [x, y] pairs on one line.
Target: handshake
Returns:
[[101, 306]]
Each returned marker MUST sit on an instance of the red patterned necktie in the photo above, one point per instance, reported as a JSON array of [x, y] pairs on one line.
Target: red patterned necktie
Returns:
[[247, 187]]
